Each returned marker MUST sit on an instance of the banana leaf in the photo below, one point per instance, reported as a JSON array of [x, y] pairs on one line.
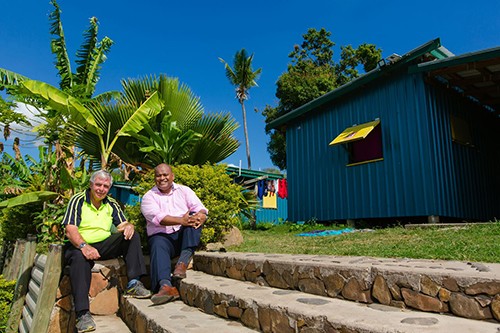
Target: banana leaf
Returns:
[[26, 198]]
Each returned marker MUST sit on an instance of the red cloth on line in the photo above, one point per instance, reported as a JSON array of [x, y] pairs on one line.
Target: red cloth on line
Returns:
[[282, 188]]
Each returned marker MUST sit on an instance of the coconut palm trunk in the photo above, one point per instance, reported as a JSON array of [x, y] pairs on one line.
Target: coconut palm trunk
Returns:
[[245, 130]]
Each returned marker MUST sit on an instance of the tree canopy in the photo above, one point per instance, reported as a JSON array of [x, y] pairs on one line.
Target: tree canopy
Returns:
[[312, 72]]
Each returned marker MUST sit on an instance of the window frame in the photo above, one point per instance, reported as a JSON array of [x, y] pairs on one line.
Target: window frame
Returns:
[[354, 138]]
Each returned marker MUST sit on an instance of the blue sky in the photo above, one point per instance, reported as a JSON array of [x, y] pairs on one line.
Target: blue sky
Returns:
[[184, 39]]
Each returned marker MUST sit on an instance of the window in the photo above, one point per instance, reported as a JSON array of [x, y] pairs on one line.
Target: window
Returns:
[[460, 131], [363, 142]]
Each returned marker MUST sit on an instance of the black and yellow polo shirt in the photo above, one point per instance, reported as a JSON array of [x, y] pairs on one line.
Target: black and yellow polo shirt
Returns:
[[93, 224]]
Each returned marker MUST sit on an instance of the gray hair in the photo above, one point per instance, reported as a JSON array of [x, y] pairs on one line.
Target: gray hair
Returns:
[[103, 174]]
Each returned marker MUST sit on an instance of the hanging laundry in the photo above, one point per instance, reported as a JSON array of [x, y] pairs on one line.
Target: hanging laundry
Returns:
[[260, 189], [282, 188], [271, 188], [270, 201]]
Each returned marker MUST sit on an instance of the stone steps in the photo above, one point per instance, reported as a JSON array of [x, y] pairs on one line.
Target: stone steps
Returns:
[[462, 289], [269, 309], [249, 292]]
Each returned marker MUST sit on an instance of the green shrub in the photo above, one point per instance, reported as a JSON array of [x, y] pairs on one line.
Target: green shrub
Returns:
[[6, 295], [17, 222], [223, 198], [134, 216]]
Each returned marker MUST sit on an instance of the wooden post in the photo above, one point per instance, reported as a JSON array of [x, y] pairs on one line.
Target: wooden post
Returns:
[[22, 283], [48, 289], [432, 219], [11, 270]]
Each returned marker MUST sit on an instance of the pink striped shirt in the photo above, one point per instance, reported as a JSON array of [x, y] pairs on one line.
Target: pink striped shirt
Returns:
[[155, 205]]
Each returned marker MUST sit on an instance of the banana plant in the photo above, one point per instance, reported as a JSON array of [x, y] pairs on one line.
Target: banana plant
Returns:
[[90, 118]]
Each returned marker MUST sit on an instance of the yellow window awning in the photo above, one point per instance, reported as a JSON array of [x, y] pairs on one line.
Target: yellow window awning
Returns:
[[354, 133]]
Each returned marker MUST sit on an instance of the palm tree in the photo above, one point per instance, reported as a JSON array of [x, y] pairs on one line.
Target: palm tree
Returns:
[[243, 78], [181, 132]]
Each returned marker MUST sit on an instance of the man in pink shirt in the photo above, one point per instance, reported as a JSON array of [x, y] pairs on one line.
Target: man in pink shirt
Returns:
[[174, 216]]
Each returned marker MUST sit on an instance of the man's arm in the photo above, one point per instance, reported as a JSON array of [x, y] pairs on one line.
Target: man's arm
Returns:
[[74, 235], [150, 208], [184, 220], [77, 240]]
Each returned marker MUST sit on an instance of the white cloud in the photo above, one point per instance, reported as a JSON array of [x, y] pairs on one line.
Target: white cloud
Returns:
[[27, 137]]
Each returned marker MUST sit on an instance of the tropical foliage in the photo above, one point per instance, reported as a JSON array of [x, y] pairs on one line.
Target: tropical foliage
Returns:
[[311, 74], [54, 126], [6, 297], [180, 132], [243, 77]]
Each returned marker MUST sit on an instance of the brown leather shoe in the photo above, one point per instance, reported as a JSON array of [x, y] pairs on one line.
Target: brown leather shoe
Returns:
[[165, 294], [180, 271]]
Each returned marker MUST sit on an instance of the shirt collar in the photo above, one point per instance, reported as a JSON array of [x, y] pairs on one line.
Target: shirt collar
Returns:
[[174, 188]]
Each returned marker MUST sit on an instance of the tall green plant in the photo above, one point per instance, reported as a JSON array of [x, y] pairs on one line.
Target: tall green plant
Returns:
[[80, 84], [243, 77], [90, 120]]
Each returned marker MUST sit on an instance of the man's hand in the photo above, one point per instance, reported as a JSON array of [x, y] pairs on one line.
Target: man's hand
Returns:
[[198, 219], [90, 252], [127, 229], [187, 220]]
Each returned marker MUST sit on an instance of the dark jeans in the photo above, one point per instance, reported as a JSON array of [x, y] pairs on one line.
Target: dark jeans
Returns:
[[80, 269], [164, 247]]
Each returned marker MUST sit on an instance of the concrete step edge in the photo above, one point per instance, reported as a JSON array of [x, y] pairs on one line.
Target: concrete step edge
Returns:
[[275, 310], [175, 317]]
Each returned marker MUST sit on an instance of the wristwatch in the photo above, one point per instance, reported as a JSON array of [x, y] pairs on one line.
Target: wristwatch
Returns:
[[82, 245]]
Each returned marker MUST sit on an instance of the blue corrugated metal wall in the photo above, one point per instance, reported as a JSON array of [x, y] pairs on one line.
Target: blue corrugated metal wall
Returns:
[[279, 215], [124, 194], [423, 173]]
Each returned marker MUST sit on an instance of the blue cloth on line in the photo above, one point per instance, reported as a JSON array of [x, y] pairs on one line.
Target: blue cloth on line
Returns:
[[326, 232]]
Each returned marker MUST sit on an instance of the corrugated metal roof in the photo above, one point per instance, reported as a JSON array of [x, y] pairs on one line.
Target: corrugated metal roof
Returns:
[[246, 173], [475, 74]]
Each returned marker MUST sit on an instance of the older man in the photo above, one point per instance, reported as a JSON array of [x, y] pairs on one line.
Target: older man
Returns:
[[88, 223], [174, 216]]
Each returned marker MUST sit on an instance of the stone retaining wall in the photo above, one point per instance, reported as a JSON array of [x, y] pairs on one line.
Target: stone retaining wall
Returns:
[[109, 279], [461, 295]]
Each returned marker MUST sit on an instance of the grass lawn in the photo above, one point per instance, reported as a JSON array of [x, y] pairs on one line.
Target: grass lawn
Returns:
[[478, 243]]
